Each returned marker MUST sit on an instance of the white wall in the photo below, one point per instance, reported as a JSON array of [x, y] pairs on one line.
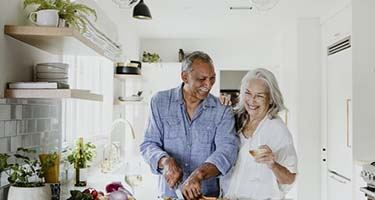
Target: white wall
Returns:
[[363, 79], [289, 87], [309, 108], [225, 52], [16, 58], [230, 80], [125, 24]]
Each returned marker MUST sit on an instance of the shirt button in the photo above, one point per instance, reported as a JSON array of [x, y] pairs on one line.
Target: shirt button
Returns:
[[186, 164]]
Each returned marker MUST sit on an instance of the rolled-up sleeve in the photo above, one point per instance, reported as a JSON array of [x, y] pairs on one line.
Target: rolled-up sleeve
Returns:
[[152, 145], [226, 143]]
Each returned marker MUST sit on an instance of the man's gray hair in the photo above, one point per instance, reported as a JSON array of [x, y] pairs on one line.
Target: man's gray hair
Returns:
[[276, 98], [188, 61]]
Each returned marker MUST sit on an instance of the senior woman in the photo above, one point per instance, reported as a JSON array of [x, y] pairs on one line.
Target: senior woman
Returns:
[[267, 162]]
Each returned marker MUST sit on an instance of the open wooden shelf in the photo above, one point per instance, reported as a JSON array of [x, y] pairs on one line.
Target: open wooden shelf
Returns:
[[123, 77], [56, 40], [52, 94]]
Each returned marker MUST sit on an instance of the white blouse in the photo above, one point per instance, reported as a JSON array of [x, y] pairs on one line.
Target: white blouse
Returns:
[[251, 180]]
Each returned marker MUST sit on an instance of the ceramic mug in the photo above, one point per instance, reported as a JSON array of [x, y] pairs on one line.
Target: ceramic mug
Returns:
[[49, 17]]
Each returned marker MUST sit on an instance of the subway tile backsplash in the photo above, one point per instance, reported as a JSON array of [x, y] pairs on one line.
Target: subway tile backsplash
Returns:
[[10, 128], [2, 128], [5, 112], [4, 145], [28, 123]]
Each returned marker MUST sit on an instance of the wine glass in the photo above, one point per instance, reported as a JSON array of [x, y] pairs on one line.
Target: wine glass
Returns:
[[254, 150], [133, 176]]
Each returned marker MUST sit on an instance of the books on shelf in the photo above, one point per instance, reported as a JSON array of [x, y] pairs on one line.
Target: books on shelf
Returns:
[[37, 85]]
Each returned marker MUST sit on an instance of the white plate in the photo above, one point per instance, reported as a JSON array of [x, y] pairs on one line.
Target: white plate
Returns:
[[52, 80], [58, 65]]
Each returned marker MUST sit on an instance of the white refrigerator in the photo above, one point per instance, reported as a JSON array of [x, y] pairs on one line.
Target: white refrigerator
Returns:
[[339, 120]]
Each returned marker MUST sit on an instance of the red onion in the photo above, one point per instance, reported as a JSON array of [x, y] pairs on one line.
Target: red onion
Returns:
[[114, 186], [118, 195]]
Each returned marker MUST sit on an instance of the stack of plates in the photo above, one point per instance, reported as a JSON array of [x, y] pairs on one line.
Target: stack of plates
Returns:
[[51, 72]]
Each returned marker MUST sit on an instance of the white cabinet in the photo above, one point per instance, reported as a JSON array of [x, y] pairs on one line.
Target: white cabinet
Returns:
[[337, 66], [338, 26], [339, 188], [339, 126]]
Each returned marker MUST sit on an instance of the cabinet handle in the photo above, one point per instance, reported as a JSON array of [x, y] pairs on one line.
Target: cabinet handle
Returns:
[[347, 123], [341, 181]]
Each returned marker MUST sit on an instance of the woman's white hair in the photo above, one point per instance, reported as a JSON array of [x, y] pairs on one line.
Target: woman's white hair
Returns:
[[276, 98]]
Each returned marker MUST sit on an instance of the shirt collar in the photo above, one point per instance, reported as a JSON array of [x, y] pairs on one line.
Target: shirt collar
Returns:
[[178, 97]]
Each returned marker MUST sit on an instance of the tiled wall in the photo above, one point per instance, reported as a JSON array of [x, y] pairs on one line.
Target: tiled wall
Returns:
[[29, 124]]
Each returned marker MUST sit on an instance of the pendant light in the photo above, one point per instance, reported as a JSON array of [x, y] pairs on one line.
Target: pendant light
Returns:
[[141, 11]]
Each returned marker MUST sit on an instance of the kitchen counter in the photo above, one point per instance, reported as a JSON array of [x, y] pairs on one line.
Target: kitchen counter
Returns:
[[362, 162], [98, 180]]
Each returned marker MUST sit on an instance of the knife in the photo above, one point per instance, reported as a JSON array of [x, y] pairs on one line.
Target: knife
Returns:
[[179, 193]]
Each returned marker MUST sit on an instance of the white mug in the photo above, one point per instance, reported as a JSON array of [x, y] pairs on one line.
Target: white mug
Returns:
[[49, 17]]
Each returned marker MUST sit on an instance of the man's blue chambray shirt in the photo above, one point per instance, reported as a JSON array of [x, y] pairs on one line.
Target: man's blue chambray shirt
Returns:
[[208, 137]]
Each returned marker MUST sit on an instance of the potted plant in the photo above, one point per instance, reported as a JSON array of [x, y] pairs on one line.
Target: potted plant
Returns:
[[150, 57], [72, 13], [26, 177], [81, 157], [3, 163]]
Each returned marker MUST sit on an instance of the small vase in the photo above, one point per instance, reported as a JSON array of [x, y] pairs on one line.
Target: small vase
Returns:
[[81, 177], [62, 23], [181, 55], [52, 175]]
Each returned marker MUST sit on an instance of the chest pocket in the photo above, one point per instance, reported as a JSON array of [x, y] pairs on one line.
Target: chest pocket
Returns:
[[172, 128], [204, 132]]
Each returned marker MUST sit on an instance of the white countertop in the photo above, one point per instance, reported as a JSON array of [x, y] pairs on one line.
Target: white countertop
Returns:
[[363, 162], [98, 180]]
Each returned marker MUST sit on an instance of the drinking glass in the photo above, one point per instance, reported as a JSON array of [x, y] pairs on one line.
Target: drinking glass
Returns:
[[133, 175], [254, 150]]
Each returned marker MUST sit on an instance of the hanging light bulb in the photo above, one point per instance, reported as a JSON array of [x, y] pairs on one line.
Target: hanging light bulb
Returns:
[[141, 11]]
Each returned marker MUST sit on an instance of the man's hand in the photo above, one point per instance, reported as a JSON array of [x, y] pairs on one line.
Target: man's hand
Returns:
[[171, 171], [225, 99], [266, 157], [191, 188]]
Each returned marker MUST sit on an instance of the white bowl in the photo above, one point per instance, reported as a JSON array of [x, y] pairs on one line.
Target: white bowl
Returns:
[[51, 75], [49, 68]]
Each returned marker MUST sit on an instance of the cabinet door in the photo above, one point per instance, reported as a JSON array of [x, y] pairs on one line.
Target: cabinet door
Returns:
[[338, 26], [339, 122], [339, 188]]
